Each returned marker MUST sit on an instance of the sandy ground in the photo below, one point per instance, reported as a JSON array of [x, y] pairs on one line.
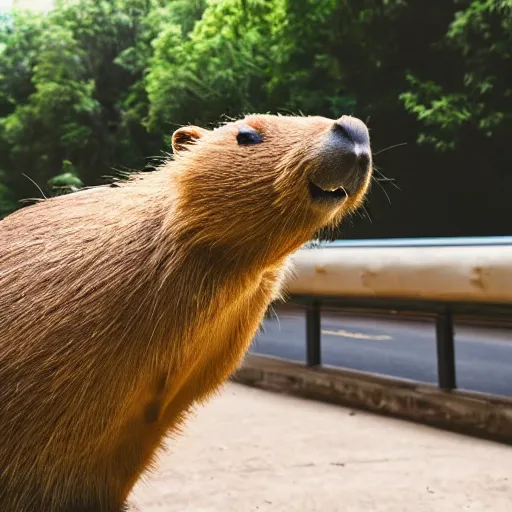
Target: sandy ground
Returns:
[[251, 450]]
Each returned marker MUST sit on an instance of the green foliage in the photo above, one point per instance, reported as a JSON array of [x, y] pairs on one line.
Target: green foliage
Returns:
[[67, 180], [70, 92], [98, 85], [475, 99], [7, 202], [215, 69]]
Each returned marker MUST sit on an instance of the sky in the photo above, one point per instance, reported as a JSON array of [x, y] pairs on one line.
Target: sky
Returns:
[[5, 5]]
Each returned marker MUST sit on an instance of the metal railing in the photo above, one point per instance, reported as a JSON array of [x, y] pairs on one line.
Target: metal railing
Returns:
[[444, 313], [478, 294]]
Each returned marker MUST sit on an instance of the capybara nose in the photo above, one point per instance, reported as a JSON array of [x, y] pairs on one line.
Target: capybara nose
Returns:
[[352, 139], [344, 161]]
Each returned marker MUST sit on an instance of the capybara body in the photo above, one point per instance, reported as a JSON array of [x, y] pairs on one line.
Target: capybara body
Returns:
[[123, 306]]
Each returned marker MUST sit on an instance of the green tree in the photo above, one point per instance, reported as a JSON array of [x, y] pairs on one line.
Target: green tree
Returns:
[[69, 93], [216, 69], [475, 99], [464, 110]]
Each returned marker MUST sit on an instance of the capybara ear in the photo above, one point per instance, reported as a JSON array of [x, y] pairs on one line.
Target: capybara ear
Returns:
[[185, 136]]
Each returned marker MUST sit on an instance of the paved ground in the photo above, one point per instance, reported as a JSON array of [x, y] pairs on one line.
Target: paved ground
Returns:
[[251, 450], [402, 348]]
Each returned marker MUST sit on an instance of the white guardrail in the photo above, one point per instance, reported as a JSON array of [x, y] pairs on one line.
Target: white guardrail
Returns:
[[450, 273]]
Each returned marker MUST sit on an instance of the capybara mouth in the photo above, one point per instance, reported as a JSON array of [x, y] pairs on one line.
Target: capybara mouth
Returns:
[[320, 195]]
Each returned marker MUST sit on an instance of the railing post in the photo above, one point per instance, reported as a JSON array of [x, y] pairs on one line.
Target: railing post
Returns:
[[445, 350], [313, 334]]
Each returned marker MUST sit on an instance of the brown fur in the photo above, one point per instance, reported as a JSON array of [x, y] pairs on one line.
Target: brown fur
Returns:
[[122, 307]]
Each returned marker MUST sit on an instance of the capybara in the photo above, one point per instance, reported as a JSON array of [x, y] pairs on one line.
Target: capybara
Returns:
[[123, 306]]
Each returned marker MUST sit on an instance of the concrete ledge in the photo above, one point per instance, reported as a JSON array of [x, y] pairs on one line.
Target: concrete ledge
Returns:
[[468, 413]]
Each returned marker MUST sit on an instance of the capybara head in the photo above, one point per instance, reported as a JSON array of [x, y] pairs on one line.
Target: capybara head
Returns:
[[266, 178]]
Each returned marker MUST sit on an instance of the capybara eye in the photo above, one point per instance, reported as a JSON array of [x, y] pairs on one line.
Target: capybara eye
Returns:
[[247, 135]]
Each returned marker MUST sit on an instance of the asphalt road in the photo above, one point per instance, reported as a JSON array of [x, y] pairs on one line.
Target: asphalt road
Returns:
[[403, 348]]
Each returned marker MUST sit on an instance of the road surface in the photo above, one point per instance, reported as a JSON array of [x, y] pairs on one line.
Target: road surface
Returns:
[[403, 348]]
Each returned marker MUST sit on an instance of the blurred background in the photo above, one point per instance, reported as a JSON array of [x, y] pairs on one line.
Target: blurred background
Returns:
[[89, 88]]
